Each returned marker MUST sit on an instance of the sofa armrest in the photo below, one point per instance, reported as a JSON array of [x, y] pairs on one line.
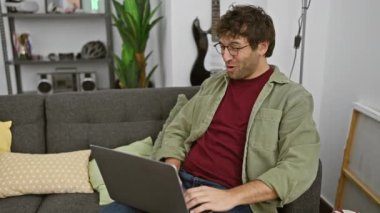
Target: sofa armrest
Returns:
[[308, 201]]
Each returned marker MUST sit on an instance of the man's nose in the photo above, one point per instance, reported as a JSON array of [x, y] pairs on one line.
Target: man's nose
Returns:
[[226, 55]]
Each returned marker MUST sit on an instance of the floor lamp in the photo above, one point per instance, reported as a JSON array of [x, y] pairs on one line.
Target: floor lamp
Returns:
[[305, 6]]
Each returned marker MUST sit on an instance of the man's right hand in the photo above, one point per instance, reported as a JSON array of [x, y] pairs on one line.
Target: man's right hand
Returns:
[[176, 164]]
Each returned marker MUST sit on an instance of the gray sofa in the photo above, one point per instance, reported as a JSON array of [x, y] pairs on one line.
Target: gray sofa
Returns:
[[72, 121]]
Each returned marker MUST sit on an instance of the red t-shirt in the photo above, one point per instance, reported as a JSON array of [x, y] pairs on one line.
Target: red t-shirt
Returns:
[[218, 155]]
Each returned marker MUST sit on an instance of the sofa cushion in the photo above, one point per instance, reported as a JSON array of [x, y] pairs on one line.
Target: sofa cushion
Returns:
[[108, 118], [73, 203], [5, 136], [24, 204], [141, 148], [44, 173], [28, 121]]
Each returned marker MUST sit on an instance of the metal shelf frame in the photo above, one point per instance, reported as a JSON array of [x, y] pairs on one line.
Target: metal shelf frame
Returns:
[[76, 61], [54, 15]]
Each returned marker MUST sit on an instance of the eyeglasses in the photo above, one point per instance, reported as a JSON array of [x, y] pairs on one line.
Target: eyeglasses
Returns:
[[234, 51]]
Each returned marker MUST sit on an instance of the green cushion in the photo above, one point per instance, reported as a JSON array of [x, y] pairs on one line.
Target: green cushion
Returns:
[[141, 148]]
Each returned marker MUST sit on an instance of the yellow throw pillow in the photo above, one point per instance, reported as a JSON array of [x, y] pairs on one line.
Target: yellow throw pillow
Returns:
[[22, 174], [5, 136], [141, 148]]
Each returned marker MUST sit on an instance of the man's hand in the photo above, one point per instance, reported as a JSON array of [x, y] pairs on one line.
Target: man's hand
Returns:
[[175, 162], [204, 198]]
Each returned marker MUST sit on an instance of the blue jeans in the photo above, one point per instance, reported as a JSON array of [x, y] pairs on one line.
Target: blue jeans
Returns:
[[188, 181]]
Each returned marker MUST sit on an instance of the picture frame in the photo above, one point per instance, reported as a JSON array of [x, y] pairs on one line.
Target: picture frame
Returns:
[[358, 186], [62, 6]]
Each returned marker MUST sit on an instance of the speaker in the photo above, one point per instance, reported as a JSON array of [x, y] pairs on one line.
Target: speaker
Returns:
[[87, 81], [44, 84]]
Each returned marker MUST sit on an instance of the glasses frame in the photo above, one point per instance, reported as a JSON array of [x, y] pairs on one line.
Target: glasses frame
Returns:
[[235, 50]]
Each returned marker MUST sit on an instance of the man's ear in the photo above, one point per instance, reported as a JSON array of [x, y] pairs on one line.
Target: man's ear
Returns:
[[263, 48]]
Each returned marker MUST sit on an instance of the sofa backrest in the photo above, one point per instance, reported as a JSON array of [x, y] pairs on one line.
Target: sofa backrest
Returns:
[[27, 113], [108, 118]]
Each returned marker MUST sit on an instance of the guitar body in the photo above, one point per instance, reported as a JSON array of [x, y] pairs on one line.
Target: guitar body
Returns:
[[199, 72], [208, 60], [213, 61]]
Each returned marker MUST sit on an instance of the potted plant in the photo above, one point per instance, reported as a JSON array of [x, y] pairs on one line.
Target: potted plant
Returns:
[[134, 20]]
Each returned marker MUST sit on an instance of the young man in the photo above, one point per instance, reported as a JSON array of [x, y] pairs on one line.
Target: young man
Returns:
[[248, 135]]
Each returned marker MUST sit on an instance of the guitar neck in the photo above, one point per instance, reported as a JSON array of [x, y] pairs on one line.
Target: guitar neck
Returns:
[[215, 16]]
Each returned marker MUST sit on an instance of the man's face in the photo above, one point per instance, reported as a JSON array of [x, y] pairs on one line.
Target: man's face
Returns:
[[242, 62]]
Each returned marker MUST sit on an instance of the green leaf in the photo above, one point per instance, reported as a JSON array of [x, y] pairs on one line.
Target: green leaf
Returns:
[[130, 7], [131, 23], [143, 6], [133, 20], [118, 8], [151, 14], [148, 55], [150, 75], [132, 75], [127, 53], [119, 70]]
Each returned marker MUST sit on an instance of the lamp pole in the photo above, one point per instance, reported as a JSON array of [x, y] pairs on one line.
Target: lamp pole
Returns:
[[304, 12]]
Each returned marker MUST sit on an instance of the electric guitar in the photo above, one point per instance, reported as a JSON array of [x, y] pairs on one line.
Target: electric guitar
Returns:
[[208, 59]]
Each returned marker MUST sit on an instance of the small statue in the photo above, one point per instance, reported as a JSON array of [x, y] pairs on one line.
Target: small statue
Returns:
[[23, 46]]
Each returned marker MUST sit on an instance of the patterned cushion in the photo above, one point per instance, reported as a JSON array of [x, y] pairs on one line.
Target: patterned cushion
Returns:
[[44, 173]]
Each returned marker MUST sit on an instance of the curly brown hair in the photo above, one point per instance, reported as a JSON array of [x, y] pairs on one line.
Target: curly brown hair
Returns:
[[248, 21]]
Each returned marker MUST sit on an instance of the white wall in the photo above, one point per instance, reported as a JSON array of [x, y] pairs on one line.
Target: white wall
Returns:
[[351, 74], [285, 15]]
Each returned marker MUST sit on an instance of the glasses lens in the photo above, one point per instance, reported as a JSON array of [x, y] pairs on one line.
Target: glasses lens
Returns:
[[233, 51], [220, 49]]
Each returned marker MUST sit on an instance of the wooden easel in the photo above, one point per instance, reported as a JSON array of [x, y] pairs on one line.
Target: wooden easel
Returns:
[[346, 173]]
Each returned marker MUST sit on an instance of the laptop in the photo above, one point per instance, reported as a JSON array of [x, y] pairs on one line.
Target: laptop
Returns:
[[145, 184]]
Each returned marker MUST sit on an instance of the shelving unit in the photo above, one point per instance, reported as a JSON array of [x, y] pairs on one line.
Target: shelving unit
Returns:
[[16, 63]]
